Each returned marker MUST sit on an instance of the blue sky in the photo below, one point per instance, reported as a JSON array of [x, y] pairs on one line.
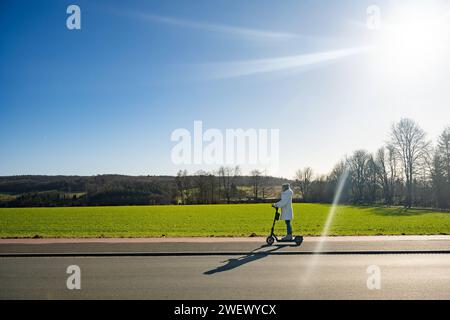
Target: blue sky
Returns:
[[105, 99]]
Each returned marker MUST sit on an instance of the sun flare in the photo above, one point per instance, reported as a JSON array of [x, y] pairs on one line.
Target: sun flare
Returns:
[[414, 38]]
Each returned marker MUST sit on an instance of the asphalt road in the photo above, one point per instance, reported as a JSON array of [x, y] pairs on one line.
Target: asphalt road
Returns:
[[410, 267], [218, 246], [250, 276]]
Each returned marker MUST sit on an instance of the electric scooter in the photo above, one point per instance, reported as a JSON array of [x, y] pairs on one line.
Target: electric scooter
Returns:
[[272, 238]]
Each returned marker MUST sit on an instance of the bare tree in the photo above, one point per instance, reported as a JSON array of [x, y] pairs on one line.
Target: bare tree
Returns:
[[303, 180], [441, 170], [332, 181], [358, 163], [256, 180], [371, 180], [411, 146], [182, 183], [393, 171], [211, 179], [443, 150], [228, 177], [263, 184], [386, 164], [382, 174], [201, 187]]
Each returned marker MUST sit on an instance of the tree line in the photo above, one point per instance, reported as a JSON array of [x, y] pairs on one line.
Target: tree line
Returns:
[[409, 170], [226, 185]]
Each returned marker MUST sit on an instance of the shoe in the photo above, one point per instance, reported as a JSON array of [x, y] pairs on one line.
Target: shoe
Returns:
[[287, 238]]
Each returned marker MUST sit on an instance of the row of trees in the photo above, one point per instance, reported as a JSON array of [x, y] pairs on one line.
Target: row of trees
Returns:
[[227, 184], [24, 191], [407, 171]]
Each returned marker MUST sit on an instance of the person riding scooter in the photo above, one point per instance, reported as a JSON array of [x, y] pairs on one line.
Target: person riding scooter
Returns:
[[287, 213]]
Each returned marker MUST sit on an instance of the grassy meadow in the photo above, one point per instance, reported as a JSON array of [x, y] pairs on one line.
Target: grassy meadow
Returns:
[[213, 220]]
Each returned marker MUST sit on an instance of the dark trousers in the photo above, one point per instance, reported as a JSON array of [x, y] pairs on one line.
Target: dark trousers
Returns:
[[288, 226]]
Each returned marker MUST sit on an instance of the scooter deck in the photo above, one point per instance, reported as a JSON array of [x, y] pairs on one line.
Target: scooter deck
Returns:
[[293, 240]]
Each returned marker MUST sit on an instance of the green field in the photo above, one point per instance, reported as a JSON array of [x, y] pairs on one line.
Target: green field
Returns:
[[213, 220]]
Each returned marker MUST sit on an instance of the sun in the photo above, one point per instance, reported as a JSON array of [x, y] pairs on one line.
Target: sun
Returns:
[[414, 38]]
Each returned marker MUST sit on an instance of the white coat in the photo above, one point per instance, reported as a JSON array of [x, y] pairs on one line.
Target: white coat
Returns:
[[286, 205]]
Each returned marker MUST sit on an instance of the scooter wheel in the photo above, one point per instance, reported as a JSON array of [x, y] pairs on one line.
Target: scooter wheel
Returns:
[[298, 240], [270, 240]]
